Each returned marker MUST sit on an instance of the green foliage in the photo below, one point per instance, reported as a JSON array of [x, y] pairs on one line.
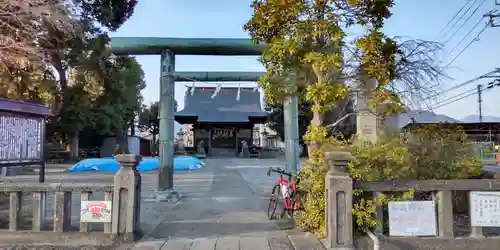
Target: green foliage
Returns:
[[325, 95], [148, 118], [110, 13], [122, 81], [301, 45], [430, 152]]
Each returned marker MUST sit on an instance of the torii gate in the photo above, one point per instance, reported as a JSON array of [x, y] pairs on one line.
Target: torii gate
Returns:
[[168, 48]]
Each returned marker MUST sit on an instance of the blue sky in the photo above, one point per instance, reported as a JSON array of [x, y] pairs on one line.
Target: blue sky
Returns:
[[422, 19]]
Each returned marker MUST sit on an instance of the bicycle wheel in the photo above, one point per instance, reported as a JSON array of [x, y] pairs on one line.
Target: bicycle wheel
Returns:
[[274, 199]]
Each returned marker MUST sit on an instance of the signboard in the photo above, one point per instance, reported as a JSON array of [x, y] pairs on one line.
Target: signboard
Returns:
[[21, 139], [222, 133], [485, 209], [95, 211], [412, 218]]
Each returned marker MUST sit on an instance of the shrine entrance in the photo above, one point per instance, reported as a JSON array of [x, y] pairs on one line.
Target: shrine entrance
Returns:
[[222, 118], [227, 106]]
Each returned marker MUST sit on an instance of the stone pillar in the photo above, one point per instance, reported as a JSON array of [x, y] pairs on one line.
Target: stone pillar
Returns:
[[245, 152], [200, 150], [126, 197], [338, 211], [366, 118], [210, 136], [166, 120], [262, 136]]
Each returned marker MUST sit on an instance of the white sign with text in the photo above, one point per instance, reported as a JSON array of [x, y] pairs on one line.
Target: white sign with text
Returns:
[[412, 218], [485, 209], [95, 211]]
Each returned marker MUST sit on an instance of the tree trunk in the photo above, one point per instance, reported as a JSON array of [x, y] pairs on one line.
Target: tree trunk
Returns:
[[74, 139], [317, 121]]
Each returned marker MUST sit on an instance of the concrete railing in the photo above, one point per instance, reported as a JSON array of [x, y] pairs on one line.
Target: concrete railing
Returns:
[[339, 200], [124, 194]]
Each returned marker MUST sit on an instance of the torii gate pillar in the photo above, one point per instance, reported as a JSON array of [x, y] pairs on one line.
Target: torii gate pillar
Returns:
[[166, 122]]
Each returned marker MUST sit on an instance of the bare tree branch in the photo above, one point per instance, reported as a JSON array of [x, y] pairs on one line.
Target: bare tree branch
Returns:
[[418, 71]]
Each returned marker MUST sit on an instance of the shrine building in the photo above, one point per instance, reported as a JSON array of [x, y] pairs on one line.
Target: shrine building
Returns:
[[222, 118]]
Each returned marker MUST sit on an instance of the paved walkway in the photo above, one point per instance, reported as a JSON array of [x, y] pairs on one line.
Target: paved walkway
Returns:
[[225, 208]]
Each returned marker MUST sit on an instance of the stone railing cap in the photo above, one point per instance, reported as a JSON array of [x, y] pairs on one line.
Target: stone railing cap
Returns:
[[338, 156], [128, 158], [58, 187]]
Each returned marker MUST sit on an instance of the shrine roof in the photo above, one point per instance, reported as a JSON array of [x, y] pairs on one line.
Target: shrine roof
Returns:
[[200, 107], [19, 107]]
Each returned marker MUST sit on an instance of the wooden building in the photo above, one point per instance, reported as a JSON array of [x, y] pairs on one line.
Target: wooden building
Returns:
[[222, 120]]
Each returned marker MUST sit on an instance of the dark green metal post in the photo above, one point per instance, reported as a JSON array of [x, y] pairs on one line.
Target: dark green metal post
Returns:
[[291, 121], [166, 117]]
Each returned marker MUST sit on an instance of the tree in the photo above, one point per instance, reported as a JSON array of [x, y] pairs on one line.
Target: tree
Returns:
[[22, 24], [53, 52], [20, 28], [307, 46], [148, 119], [85, 51], [122, 81]]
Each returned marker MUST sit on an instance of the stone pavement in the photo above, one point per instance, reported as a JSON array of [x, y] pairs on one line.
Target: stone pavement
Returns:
[[225, 207]]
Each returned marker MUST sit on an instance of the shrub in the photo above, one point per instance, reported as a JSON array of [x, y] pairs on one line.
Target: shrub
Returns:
[[424, 153]]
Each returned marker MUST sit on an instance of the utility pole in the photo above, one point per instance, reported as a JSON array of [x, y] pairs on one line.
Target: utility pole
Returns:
[[492, 18], [479, 102]]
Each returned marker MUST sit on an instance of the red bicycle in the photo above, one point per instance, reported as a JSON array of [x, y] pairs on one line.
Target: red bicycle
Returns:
[[284, 191]]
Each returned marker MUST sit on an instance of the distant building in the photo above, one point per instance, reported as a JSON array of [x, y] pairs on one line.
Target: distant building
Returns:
[[222, 121], [188, 135]]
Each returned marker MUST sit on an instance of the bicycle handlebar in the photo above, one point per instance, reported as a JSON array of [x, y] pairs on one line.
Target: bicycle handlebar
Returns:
[[279, 171]]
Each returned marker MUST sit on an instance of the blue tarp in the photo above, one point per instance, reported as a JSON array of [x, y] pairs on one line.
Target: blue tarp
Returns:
[[181, 163]]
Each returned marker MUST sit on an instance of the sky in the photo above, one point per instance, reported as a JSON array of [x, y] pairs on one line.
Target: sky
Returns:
[[422, 19]]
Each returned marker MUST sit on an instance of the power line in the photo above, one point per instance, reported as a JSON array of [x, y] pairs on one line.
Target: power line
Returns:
[[468, 33], [455, 100], [460, 18], [455, 96], [480, 90], [452, 19], [465, 83], [468, 45], [466, 20]]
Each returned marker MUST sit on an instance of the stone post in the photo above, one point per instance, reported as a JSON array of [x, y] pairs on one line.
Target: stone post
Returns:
[[245, 152], [126, 197], [200, 150], [338, 211]]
